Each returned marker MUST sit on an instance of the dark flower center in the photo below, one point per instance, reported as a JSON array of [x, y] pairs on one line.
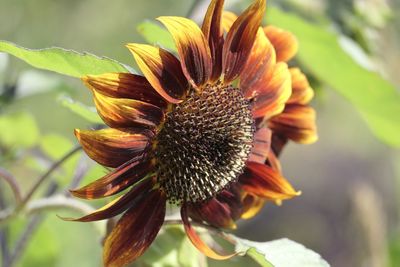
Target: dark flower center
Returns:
[[204, 144]]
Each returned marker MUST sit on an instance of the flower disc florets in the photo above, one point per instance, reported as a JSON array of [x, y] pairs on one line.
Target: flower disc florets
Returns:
[[204, 144]]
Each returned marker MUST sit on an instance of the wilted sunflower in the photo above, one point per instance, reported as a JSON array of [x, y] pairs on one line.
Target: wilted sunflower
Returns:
[[192, 131]]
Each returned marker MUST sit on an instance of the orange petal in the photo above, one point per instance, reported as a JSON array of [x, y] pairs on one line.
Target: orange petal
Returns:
[[124, 85], [261, 145], [302, 93], [261, 60], [135, 231], [296, 122], [196, 240], [213, 32], [214, 212], [162, 70], [252, 205], [284, 42], [118, 205], [124, 113], [112, 147], [272, 91], [273, 161], [116, 181], [228, 18], [193, 49], [262, 181], [240, 40]]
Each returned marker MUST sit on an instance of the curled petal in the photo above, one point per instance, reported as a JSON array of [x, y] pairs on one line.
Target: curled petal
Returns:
[[252, 205], [273, 161], [261, 145], [193, 49], [135, 231], [302, 93], [272, 91], [118, 205], [111, 147], [297, 123], [124, 85], [261, 180], [284, 42], [124, 113], [213, 212], [213, 32], [260, 62], [196, 240], [240, 39], [119, 179], [162, 70]]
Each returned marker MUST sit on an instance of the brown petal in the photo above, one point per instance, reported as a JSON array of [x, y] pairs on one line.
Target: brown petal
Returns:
[[196, 240], [240, 40], [193, 49], [162, 70], [125, 85], [120, 204], [111, 147], [284, 42], [213, 32], [261, 145], [118, 180], [135, 231], [302, 93], [252, 205], [125, 113], [296, 122], [262, 181], [260, 62], [272, 92]]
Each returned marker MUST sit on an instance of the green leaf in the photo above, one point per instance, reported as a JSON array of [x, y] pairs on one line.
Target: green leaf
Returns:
[[320, 52], [19, 130], [156, 35], [280, 253], [63, 61], [86, 112]]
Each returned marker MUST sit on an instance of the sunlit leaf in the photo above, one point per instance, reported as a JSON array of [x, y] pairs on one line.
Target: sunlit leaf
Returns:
[[18, 130], [88, 113], [155, 34], [320, 52], [280, 253], [63, 61]]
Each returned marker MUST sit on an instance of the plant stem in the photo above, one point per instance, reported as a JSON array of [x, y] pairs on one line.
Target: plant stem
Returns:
[[4, 250], [9, 178]]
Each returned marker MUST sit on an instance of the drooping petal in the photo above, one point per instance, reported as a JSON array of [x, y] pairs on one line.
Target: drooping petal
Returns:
[[118, 180], [135, 231], [111, 147], [212, 30], [196, 240], [271, 92], [297, 123], [120, 204], [252, 205], [213, 212], [260, 62], [284, 42], [261, 145], [273, 161], [262, 181], [232, 196], [240, 40], [125, 85], [125, 113], [302, 93], [193, 49], [162, 70], [278, 142]]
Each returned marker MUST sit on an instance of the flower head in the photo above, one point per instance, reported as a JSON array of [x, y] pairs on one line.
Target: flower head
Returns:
[[194, 131]]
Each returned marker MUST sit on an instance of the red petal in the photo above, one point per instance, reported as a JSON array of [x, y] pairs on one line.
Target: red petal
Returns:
[[302, 93], [240, 40], [261, 145], [196, 240], [284, 42], [135, 231], [117, 180]]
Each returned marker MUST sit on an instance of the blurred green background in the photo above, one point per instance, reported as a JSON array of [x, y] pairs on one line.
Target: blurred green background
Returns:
[[349, 209]]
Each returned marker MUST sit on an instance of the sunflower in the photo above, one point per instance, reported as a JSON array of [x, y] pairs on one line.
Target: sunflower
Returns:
[[194, 131]]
